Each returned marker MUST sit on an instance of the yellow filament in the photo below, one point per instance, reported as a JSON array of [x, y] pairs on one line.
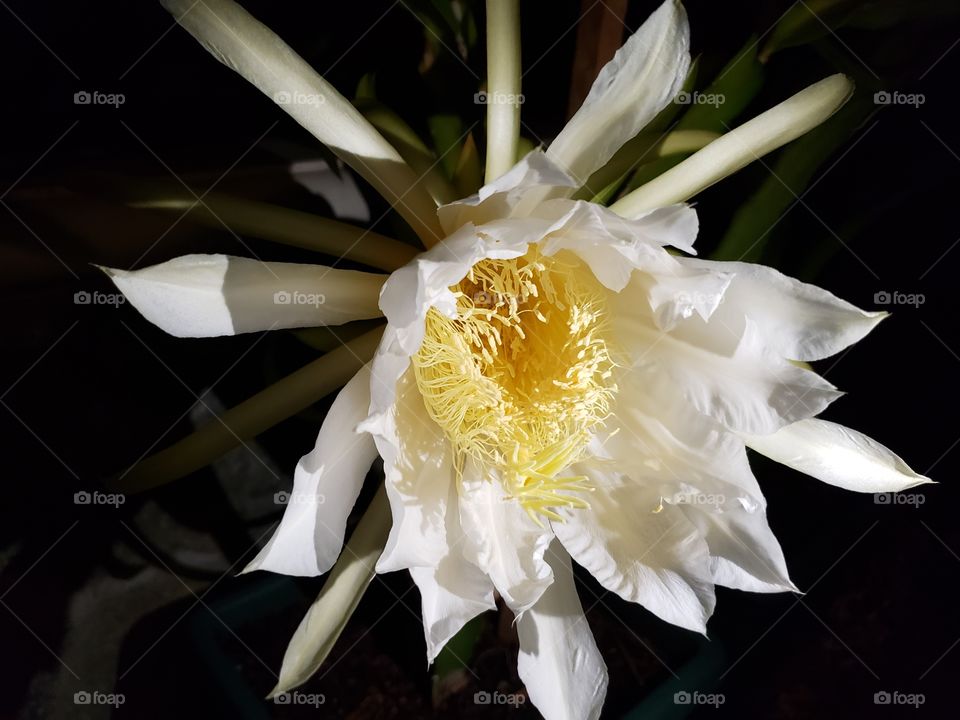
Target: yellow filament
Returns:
[[522, 375]]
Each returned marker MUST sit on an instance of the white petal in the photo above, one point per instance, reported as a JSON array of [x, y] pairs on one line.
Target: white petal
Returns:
[[211, 295], [677, 292], [513, 194], [744, 552], [425, 535], [242, 43], [702, 469], [644, 75], [564, 673], [451, 595], [797, 320], [743, 385], [420, 482], [325, 487], [837, 455], [425, 281], [612, 246], [504, 542], [640, 549], [453, 592]]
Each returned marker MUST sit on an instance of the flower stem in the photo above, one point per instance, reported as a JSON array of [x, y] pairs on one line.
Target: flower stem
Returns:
[[739, 147], [287, 226], [503, 86], [341, 593]]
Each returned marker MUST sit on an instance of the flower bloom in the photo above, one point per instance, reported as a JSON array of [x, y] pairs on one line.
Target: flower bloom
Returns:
[[553, 383]]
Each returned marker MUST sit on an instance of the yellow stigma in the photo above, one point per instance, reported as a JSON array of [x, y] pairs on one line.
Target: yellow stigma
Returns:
[[522, 375]]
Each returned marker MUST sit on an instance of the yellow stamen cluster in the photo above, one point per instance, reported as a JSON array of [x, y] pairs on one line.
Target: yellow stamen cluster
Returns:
[[520, 377]]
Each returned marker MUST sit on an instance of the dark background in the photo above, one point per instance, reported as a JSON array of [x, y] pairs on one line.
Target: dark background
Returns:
[[146, 593]]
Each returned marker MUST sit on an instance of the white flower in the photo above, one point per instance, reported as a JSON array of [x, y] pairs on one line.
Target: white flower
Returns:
[[553, 383]]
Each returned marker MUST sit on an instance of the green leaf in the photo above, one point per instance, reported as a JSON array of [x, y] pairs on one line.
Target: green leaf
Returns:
[[411, 148], [446, 130], [468, 176], [733, 89], [806, 22], [889, 13], [752, 226], [458, 651], [366, 88]]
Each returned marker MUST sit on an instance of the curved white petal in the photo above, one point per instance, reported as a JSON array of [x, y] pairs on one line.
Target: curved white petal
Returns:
[[735, 379], [451, 595], [513, 194], [325, 487], [676, 292], [426, 536], [454, 590], [644, 75], [744, 552], [701, 469], [564, 673], [837, 455], [503, 541], [448, 603], [242, 43], [797, 320], [425, 282], [212, 295], [612, 246], [642, 550], [419, 478]]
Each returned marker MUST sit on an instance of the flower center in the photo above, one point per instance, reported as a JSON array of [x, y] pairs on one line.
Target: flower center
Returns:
[[522, 375]]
